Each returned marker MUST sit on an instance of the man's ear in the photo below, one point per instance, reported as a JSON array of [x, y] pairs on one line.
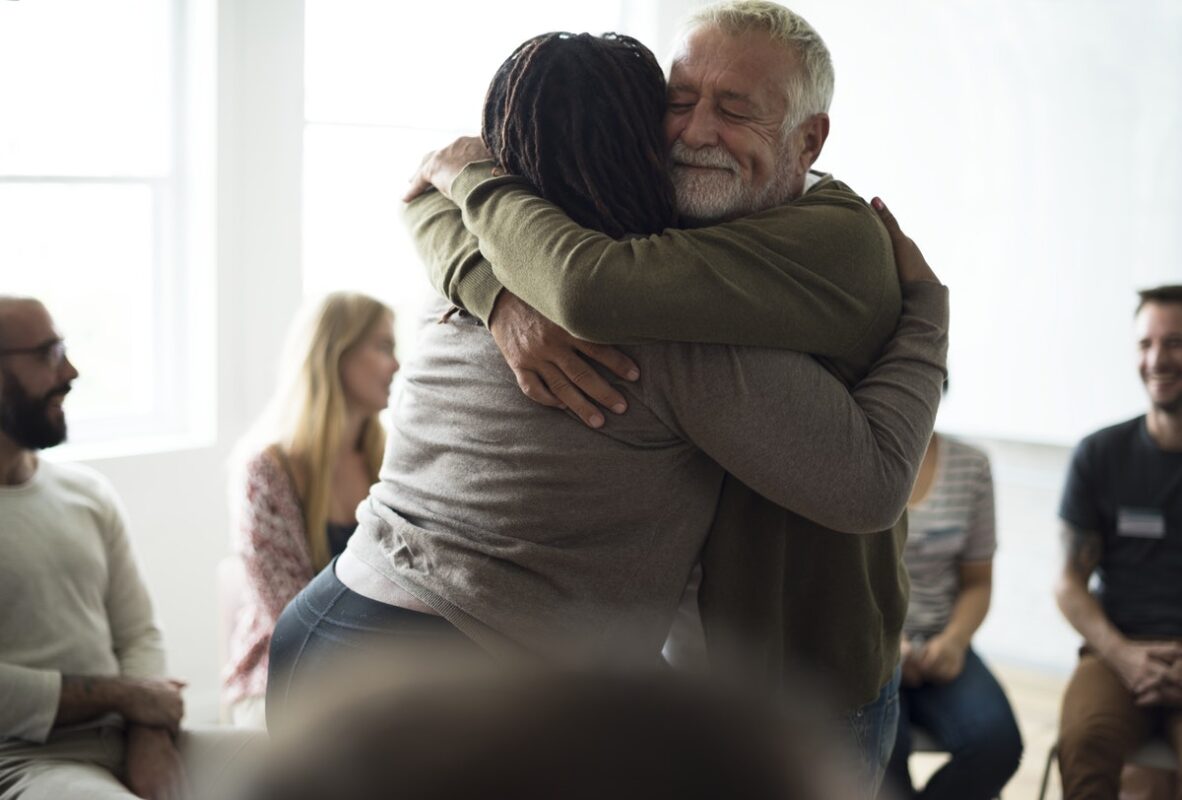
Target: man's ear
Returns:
[[813, 133]]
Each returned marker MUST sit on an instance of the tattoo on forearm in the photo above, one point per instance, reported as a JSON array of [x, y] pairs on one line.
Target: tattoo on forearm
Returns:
[[1083, 550], [80, 686]]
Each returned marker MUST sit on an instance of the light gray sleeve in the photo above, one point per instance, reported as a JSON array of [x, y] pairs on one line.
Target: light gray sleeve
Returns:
[[28, 702], [137, 642], [981, 542], [787, 428]]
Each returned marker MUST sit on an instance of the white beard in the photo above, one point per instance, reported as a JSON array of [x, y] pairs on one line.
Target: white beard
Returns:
[[720, 193]]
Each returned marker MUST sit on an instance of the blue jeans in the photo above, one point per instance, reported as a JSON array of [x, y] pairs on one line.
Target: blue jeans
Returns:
[[324, 627], [872, 732], [971, 719]]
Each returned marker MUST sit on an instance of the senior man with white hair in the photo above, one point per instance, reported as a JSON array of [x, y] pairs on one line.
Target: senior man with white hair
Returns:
[[780, 257]]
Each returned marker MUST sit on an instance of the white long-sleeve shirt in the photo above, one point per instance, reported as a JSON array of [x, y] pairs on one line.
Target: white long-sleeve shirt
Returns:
[[71, 598]]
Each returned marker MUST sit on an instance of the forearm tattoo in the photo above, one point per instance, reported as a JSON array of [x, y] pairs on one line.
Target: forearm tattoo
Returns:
[[1083, 550]]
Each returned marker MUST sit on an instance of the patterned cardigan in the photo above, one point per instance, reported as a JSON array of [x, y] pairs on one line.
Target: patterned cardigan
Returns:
[[270, 540]]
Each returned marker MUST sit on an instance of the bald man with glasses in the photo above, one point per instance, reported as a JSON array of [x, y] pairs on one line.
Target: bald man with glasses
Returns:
[[84, 708]]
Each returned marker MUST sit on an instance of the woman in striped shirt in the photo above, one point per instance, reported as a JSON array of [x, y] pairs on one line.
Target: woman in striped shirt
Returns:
[[946, 688]]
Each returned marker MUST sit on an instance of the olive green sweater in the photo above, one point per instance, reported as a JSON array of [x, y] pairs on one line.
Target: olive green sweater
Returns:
[[816, 275]]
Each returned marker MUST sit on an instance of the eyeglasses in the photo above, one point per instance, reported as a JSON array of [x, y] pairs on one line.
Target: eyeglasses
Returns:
[[51, 353]]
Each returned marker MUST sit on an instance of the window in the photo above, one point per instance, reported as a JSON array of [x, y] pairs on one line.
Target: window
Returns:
[[384, 84], [92, 198]]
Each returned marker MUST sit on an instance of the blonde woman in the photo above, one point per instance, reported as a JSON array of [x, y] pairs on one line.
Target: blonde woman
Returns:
[[308, 463]]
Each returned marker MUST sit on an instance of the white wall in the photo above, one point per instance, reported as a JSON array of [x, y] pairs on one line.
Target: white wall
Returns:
[[1024, 627], [1031, 147], [249, 90], [177, 501]]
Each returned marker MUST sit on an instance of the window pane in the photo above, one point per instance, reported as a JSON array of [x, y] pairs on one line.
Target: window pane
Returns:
[[354, 237], [415, 64], [86, 252], [85, 87]]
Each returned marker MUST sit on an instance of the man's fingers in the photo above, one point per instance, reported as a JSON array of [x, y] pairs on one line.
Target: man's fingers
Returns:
[[1150, 698], [418, 184], [439, 168], [1165, 651], [1149, 681], [420, 180], [612, 358], [548, 364], [562, 388], [533, 387], [592, 384], [178, 788]]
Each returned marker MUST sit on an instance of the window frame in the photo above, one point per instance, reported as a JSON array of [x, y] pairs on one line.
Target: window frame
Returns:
[[183, 374]]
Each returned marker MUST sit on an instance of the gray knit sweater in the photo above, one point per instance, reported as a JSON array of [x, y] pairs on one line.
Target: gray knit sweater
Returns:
[[527, 530]]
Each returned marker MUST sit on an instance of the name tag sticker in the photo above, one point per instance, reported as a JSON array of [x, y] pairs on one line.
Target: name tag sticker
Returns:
[[1141, 523]]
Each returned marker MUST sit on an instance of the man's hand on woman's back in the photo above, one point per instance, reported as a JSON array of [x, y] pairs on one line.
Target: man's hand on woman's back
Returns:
[[440, 167]]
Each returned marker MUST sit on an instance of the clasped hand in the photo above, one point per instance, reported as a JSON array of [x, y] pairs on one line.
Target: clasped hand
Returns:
[[938, 660], [1152, 671]]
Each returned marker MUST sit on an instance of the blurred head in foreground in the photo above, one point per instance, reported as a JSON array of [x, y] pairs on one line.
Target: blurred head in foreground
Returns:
[[528, 736]]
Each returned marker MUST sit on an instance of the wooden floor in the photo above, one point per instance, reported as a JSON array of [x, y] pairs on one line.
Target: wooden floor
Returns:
[[1035, 697]]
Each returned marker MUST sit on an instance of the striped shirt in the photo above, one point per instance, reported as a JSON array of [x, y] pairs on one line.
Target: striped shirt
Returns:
[[952, 525]]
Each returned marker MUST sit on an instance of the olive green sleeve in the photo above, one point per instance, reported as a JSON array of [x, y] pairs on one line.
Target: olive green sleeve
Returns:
[[816, 275], [451, 254]]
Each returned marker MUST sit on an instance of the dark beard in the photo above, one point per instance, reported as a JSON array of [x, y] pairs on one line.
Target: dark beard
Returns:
[[25, 419], [1172, 407]]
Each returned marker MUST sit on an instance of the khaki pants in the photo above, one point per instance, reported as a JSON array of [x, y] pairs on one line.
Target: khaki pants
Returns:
[[88, 763], [1146, 783], [80, 763], [1100, 725]]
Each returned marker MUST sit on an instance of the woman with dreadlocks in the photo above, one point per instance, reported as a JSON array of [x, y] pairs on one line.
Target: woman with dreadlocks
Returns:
[[512, 529], [597, 154]]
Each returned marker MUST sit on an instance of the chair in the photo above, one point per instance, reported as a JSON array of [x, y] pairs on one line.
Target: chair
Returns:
[[1155, 753], [232, 595]]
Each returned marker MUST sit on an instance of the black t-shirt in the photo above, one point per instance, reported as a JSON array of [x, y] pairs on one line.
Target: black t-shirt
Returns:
[[1125, 487], [338, 536]]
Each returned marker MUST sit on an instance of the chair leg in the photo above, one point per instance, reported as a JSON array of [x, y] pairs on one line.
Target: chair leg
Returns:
[[1046, 773]]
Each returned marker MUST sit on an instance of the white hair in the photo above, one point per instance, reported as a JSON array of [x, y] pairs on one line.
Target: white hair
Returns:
[[809, 89]]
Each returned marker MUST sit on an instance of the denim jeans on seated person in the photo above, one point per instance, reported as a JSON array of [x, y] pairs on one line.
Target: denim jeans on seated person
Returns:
[[969, 717]]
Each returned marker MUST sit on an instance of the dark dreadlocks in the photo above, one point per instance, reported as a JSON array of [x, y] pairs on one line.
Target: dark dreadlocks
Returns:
[[579, 116]]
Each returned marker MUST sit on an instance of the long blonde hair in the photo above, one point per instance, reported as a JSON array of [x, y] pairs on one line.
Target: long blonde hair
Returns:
[[308, 413]]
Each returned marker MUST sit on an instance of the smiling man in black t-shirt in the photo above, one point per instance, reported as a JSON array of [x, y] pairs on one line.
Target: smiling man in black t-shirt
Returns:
[[1122, 518]]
